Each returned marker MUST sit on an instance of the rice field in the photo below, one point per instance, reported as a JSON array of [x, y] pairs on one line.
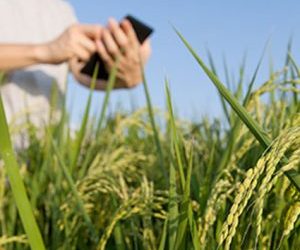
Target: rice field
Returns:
[[150, 180]]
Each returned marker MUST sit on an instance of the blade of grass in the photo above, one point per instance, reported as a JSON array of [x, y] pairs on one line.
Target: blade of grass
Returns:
[[239, 92], [240, 110], [295, 66], [287, 59], [109, 88], [81, 134], [1, 77], [286, 65], [118, 234], [193, 228], [184, 209], [17, 185], [2, 196], [63, 121], [118, 237], [252, 125], [237, 123], [152, 121], [173, 208], [213, 68], [72, 186], [250, 86], [162, 244], [175, 137], [173, 203], [226, 72]]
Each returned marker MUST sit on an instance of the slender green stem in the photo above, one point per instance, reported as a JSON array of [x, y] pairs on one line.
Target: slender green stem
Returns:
[[252, 125], [152, 121], [79, 201], [175, 137], [13, 171], [109, 88], [81, 134]]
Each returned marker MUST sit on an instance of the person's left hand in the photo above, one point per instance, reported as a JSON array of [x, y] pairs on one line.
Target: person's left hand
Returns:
[[119, 42]]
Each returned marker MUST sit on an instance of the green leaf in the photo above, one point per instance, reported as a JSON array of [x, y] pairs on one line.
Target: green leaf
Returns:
[[173, 208], [81, 134], [177, 143], [162, 244], [109, 88], [213, 68], [252, 125], [13, 171], [186, 213], [152, 121], [72, 186]]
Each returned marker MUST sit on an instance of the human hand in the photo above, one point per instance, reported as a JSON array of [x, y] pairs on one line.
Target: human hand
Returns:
[[119, 42], [78, 41]]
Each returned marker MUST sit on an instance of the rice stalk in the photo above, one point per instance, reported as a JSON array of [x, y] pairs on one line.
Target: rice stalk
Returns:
[[253, 126], [75, 193], [17, 185], [109, 88], [153, 124], [82, 131]]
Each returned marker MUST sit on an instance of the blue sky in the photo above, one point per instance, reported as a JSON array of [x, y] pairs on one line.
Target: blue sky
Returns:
[[227, 28]]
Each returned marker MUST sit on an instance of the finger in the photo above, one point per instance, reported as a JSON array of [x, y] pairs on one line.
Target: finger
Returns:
[[118, 33], [92, 31], [110, 44], [103, 53], [82, 53], [75, 64], [145, 51], [129, 31], [123, 66], [87, 43]]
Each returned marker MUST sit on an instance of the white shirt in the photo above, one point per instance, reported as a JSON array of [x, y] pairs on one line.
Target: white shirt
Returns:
[[33, 21]]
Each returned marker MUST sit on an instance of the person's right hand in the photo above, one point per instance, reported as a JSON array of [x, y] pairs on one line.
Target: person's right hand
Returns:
[[78, 41]]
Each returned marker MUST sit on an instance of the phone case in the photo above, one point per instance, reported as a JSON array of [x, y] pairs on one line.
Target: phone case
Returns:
[[142, 32]]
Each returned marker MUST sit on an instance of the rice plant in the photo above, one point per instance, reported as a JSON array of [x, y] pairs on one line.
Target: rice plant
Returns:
[[123, 182]]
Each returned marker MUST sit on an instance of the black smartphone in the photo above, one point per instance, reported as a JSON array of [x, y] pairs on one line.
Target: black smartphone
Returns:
[[142, 32]]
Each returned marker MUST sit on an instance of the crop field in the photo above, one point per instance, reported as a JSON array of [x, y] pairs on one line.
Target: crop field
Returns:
[[150, 180]]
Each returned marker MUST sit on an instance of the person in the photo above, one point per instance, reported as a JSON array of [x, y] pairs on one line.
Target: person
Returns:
[[41, 41]]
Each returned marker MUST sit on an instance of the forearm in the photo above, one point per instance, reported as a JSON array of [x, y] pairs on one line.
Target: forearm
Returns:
[[15, 56]]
